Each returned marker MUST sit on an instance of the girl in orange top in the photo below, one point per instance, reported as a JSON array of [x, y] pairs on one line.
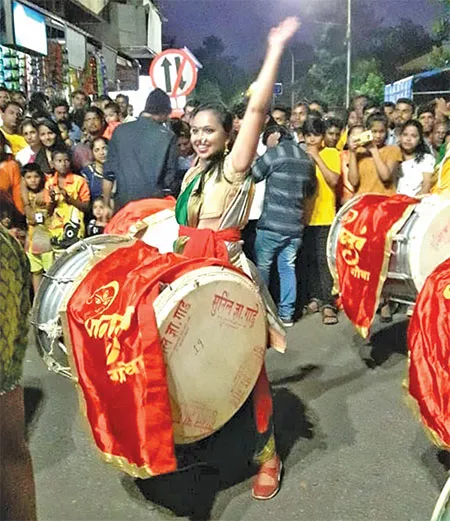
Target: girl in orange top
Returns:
[[10, 178]]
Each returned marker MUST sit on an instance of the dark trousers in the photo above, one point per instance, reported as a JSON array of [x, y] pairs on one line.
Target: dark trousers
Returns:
[[318, 276]]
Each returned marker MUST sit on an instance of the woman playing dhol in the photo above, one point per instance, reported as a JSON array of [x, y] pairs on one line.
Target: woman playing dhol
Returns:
[[216, 195]]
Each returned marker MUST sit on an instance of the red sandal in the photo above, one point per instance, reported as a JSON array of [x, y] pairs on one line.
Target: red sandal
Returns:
[[264, 492]]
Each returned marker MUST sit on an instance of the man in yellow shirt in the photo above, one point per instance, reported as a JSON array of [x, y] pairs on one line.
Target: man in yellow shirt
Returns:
[[321, 210], [12, 116]]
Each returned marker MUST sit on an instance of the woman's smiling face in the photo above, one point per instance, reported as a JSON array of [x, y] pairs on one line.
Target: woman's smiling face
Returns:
[[208, 136]]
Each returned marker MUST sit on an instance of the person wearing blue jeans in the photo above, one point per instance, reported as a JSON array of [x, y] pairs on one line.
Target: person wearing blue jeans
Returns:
[[290, 179], [270, 245]]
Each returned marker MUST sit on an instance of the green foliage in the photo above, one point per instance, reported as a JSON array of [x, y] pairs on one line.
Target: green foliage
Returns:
[[440, 55], [368, 80], [207, 90]]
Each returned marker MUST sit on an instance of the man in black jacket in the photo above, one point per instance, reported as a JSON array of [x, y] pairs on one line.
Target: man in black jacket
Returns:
[[142, 155]]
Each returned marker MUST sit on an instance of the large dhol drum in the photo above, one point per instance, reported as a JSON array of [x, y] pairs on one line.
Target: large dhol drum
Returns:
[[214, 348], [417, 249]]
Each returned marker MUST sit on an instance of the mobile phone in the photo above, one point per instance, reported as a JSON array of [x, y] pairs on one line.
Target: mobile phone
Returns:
[[363, 138]]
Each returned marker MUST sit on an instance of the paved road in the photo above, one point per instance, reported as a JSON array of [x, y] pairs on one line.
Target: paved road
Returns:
[[352, 449]]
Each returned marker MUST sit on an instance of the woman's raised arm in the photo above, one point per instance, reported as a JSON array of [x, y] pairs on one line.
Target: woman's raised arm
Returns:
[[244, 149]]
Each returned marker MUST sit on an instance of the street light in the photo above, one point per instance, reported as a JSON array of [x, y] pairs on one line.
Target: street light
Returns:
[[292, 78], [349, 53]]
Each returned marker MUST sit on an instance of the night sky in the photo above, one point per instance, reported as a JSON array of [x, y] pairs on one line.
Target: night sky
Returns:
[[243, 24]]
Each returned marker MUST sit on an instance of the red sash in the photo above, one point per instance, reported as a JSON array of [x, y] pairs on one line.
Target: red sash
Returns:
[[204, 242], [118, 359], [363, 251], [429, 347]]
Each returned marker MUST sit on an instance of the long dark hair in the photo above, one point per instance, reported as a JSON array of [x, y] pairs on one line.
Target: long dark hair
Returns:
[[225, 118], [421, 148], [51, 125]]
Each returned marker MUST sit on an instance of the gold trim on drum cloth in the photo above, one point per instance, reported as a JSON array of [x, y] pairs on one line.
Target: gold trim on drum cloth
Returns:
[[268, 452], [414, 407], [125, 466], [395, 228]]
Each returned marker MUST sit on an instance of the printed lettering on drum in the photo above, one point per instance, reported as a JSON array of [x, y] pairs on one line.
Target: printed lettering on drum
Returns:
[[353, 245], [98, 326], [177, 328], [233, 312]]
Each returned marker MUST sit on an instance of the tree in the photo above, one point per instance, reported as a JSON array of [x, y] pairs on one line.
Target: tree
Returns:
[[440, 55], [368, 80], [220, 73]]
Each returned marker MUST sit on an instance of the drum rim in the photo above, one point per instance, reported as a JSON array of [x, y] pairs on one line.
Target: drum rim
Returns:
[[180, 289], [417, 239]]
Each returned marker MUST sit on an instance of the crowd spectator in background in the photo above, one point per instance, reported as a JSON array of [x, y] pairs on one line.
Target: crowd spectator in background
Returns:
[[425, 115], [189, 109], [318, 106], [281, 115], [404, 111], [289, 181], [12, 116], [417, 167], [50, 138], [142, 155], [389, 112], [4, 98], [80, 103], [93, 173], [298, 118], [38, 106], [10, 180], [123, 103], [437, 139], [186, 155], [60, 109], [333, 132], [95, 126], [30, 131], [320, 212]]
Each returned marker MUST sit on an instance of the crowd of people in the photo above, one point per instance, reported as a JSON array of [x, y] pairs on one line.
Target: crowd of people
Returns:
[[66, 168]]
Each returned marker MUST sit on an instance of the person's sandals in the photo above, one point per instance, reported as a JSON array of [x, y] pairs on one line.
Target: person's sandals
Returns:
[[329, 316], [312, 307], [268, 480]]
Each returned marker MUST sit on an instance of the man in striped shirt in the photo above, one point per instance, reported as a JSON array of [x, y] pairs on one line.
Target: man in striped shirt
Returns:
[[290, 179]]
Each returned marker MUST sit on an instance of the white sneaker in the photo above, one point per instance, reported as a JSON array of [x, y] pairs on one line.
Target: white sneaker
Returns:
[[287, 322]]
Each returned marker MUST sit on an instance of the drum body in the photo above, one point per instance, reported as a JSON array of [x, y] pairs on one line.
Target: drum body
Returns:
[[417, 249], [212, 329], [56, 286]]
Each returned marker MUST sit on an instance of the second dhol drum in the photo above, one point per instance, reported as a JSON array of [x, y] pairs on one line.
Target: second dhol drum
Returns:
[[417, 249]]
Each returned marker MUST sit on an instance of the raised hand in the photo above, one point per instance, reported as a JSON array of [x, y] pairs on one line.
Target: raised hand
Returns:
[[281, 34]]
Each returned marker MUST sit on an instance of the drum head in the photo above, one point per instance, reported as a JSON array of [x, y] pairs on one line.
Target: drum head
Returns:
[[213, 332], [430, 238], [159, 230]]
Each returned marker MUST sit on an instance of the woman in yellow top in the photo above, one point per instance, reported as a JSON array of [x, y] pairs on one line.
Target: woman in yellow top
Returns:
[[216, 195], [319, 217]]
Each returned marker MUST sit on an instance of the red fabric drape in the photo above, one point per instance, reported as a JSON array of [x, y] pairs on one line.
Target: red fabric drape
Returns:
[[208, 243], [135, 211], [363, 251], [429, 347], [118, 358]]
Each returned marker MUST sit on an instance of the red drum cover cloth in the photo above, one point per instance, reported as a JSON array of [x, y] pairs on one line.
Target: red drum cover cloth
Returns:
[[135, 211], [117, 356], [429, 348], [363, 251]]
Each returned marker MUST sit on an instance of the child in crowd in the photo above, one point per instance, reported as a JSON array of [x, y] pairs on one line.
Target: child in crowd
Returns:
[[345, 190], [67, 198], [321, 210], [96, 226], [112, 116], [373, 167], [38, 247], [93, 173], [333, 131], [417, 168]]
